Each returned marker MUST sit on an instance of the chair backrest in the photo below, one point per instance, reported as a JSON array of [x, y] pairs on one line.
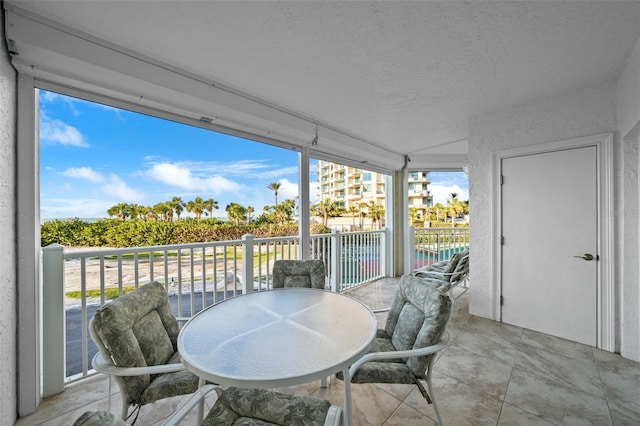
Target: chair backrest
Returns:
[[137, 329], [418, 318], [299, 273], [453, 263], [461, 270]]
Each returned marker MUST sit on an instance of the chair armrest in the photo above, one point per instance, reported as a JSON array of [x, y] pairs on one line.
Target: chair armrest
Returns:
[[103, 366], [444, 342], [378, 311], [188, 405], [334, 416]]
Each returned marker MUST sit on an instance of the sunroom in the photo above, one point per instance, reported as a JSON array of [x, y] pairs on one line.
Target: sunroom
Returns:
[[539, 101]]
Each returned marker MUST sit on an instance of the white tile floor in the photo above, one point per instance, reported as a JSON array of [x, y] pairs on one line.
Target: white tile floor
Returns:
[[492, 374]]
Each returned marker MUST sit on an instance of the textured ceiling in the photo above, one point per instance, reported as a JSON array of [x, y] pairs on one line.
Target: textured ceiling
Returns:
[[403, 75]]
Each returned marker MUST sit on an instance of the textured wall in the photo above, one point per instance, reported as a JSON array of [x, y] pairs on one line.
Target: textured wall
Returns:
[[628, 116], [8, 259], [628, 94], [582, 113]]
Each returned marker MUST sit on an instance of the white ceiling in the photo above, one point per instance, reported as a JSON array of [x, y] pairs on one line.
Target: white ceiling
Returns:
[[402, 75]]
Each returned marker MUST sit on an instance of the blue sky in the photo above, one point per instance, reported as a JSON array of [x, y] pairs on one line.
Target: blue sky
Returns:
[[93, 157]]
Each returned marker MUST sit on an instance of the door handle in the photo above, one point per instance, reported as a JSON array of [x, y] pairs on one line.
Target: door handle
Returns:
[[587, 256]]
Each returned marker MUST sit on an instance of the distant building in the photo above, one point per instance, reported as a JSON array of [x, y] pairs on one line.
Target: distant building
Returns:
[[419, 195], [349, 186]]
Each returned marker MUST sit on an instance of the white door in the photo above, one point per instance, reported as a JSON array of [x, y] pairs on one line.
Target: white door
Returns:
[[549, 218]]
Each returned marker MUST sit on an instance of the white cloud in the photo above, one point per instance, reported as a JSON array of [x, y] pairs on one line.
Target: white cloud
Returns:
[[275, 173], [118, 188], [81, 208], [182, 177], [442, 192], [57, 131], [83, 173], [288, 190]]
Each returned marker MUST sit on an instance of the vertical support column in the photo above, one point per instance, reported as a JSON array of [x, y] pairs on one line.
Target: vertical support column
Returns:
[[401, 223], [28, 242], [304, 227], [53, 320], [383, 252], [247, 264], [336, 263], [411, 248]]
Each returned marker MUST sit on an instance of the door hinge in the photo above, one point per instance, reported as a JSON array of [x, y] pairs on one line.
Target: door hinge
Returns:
[[501, 300], [501, 179], [502, 240]]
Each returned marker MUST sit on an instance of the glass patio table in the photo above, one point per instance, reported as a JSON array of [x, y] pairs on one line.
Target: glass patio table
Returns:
[[278, 338]]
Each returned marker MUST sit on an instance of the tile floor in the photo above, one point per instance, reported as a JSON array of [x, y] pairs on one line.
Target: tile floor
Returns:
[[492, 374]]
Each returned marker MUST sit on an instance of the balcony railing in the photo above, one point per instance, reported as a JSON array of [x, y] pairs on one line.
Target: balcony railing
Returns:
[[195, 275], [431, 245], [77, 282]]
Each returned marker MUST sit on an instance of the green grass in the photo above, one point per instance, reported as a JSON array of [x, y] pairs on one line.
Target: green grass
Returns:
[[109, 293]]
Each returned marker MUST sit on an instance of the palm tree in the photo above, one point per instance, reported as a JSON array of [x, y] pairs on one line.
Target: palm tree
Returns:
[[162, 210], [210, 205], [236, 213], [455, 207], [275, 186], [250, 211], [326, 209], [178, 206], [439, 210], [284, 211], [362, 213], [196, 207], [120, 210], [354, 212], [413, 215], [376, 213]]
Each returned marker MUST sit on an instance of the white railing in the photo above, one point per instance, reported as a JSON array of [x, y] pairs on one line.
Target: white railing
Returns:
[[198, 275], [431, 245], [195, 275]]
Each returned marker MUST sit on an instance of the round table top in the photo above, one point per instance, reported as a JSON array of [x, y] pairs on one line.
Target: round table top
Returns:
[[276, 338]]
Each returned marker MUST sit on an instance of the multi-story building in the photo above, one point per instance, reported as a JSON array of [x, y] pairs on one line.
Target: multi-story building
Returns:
[[349, 186], [419, 195]]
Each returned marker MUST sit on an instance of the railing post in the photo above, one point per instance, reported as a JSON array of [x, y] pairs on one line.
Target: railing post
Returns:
[[411, 249], [247, 264], [336, 264], [53, 320], [383, 252]]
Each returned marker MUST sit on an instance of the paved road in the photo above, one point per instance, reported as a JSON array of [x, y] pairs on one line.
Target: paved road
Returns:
[[74, 326]]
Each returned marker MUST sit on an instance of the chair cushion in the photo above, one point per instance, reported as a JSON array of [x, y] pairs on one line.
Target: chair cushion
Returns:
[[383, 372], [153, 339], [138, 329], [297, 281], [309, 273], [169, 384], [417, 319], [265, 407]]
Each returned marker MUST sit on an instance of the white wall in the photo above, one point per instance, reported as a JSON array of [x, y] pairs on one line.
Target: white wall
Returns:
[[8, 260], [628, 94], [628, 116], [582, 113]]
